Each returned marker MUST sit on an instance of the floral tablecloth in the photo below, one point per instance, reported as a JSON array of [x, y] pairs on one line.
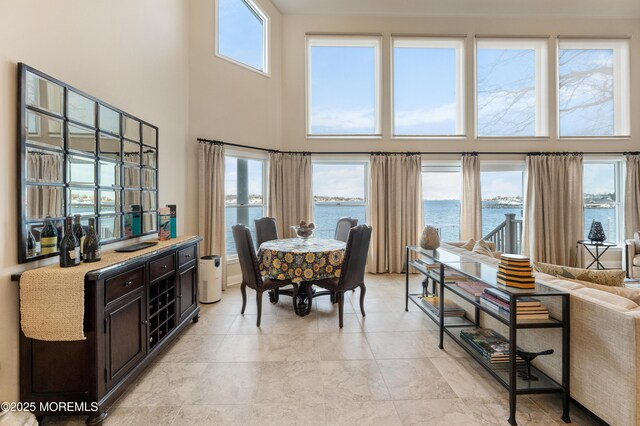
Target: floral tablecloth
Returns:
[[298, 260]]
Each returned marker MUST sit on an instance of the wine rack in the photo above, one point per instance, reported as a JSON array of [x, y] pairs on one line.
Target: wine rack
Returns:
[[162, 310]]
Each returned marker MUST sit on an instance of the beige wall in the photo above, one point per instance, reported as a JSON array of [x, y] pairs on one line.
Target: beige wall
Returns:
[[131, 54], [293, 65]]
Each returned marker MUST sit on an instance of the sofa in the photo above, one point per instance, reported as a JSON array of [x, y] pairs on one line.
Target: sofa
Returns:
[[632, 256], [605, 346]]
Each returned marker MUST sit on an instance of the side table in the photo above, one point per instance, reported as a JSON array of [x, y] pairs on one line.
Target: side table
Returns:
[[600, 249]]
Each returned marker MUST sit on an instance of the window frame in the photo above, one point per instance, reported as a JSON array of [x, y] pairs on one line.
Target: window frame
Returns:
[[459, 43], [347, 161], [441, 166], [265, 166], [541, 47], [619, 188], [261, 15], [621, 70], [345, 40]]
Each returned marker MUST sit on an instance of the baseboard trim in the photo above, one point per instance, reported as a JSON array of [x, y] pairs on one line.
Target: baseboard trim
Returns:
[[234, 279]]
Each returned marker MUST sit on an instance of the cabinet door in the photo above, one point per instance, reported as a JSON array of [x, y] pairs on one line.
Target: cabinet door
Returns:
[[126, 332], [187, 282]]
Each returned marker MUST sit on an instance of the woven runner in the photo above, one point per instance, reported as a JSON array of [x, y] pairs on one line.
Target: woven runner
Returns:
[[52, 298]]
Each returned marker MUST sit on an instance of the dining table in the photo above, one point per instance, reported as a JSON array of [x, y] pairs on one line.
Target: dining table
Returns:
[[301, 261]]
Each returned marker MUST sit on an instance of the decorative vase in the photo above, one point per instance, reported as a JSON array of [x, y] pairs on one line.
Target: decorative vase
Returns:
[[430, 239], [596, 234]]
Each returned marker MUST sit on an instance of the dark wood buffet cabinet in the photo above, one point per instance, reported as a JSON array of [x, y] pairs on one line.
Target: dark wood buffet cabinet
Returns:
[[132, 310]]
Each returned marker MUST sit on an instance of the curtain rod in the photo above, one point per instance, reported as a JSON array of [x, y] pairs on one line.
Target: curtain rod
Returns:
[[215, 142]]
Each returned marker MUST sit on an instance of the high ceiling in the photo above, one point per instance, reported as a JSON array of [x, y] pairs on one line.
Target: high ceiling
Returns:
[[547, 8]]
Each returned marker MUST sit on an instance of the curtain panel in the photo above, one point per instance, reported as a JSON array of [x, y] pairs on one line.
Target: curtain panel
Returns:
[[471, 205], [632, 196], [554, 213], [290, 190], [211, 222], [395, 209]]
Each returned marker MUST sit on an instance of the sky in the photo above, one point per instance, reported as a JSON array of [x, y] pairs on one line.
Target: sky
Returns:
[[240, 34]]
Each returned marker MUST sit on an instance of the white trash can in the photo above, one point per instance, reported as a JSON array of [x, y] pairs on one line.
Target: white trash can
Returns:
[[210, 285]]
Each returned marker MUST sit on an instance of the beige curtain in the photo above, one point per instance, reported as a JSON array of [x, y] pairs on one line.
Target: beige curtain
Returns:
[[632, 196], [211, 223], [43, 201], [553, 213], [290, 190], [471, 205], [395, 210]]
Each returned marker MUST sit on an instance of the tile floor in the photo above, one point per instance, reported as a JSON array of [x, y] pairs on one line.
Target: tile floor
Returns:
[[384, 369]]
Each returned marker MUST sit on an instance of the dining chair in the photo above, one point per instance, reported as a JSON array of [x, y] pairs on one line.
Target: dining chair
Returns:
[[266, 230], [353, 268], [343, 227], [251, 276]]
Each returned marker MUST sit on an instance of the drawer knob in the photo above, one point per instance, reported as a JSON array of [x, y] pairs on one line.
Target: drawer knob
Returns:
[[144, 322], [128, 283], [187, 255], [163, 267]]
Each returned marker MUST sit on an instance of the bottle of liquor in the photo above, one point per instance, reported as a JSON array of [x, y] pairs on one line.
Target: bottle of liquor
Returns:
[[78, 231], [69, 246], [49, 237], [32, 245], [91, 245]]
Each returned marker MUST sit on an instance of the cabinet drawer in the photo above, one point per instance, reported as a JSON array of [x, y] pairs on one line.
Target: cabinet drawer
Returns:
[[122, 284], [162, 266], [186, 255]]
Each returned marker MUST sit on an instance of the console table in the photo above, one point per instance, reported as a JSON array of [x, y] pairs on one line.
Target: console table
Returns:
[[436, 265], [132, 310]]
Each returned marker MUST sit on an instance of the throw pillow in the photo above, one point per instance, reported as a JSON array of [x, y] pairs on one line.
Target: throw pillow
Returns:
[[469, 244], [481, 247], [612, 277], [430, 239], [636, 241]]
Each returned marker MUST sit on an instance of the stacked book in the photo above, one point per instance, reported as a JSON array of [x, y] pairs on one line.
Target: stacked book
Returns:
[[489, 344], [515, 270], [527, 308], [432, 303]]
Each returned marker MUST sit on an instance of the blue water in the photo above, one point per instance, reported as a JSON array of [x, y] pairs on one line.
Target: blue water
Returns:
[[443, 214]]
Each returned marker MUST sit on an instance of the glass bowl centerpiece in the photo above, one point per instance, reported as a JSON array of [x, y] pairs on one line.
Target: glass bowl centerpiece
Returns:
[[304, 230]]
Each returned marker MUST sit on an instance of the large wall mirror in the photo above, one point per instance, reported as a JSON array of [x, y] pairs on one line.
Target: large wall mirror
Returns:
[[79, 155]]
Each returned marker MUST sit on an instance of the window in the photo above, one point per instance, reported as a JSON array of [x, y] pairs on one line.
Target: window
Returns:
[[441, 191], [593, 88], [343, 86], [502, 198], [602, 193], [511, 85], [243, 30], [428, 87], [243, 195], [339, 189]]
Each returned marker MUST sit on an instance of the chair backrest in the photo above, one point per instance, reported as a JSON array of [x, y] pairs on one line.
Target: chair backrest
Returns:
[[343, 227], [247, 256], [266, 230], [355, 258]]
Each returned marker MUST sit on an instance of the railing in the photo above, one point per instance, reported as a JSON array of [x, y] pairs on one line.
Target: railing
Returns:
[[508, 235]]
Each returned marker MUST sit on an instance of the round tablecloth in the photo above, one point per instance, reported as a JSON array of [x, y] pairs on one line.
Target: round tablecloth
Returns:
[[298, 260]]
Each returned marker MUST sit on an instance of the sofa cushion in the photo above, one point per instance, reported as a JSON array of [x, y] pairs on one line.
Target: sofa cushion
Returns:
[[603, 277], [632, 294], [481, 247], [613, 301], [469, 244], [636, 260], [636, 241]]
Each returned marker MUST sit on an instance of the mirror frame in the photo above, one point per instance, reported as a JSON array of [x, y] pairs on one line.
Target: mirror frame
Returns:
[[23, 144]]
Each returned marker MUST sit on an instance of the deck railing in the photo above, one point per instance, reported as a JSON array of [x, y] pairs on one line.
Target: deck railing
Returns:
[[508, 235]]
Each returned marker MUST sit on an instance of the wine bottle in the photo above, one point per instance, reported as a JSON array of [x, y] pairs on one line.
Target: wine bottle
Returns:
[[78, 231], [69, 246], [32, 249], [91, 245], [49, 237]]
